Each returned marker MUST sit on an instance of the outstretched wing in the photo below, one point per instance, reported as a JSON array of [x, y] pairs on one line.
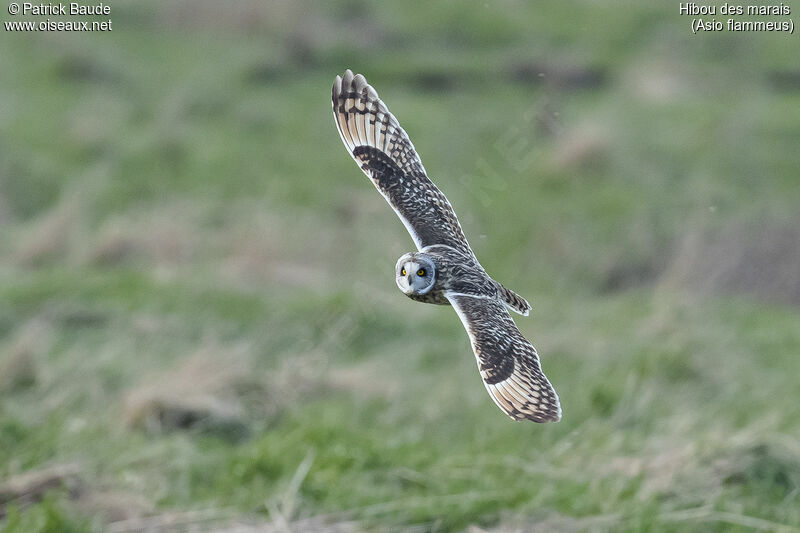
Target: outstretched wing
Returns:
[[384, 152], [508, 363]]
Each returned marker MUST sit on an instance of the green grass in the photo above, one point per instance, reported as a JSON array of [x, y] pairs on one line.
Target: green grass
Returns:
[[177, 187]]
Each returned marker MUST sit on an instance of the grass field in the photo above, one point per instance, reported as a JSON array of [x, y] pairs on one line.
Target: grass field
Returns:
[[199, 325]]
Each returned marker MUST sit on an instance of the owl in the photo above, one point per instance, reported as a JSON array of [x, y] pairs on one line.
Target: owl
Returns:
[[444, 269]]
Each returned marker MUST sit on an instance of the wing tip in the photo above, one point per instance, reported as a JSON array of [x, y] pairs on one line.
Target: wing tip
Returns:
[[359, 82], [341, 84], [364, 120], [353, 83], [538, 417], [336, 90], [347, 79], [519, 408]]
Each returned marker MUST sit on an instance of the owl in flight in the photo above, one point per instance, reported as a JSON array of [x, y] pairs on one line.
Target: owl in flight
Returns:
[[444, 270]]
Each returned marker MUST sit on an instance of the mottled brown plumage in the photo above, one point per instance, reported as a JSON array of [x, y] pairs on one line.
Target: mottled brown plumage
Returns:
[[445, 270]]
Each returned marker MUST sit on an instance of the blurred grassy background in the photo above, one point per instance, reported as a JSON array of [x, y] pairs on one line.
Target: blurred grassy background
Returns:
[[199, 325]]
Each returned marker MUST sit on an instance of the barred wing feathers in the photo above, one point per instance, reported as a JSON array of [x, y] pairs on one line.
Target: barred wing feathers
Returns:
[[382, 149], [508, 363]]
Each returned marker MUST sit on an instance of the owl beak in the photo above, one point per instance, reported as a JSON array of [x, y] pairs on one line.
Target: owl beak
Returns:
[[404, 283]]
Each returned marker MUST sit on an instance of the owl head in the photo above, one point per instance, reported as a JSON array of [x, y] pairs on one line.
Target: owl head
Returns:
[[415, 273]]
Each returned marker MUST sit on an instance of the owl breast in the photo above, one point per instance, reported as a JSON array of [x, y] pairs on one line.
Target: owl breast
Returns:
[[433, 297]]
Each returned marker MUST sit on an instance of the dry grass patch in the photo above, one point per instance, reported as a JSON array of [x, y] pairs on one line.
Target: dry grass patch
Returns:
[[260, 249], [30, 487], [199, 393], [18, 361], [223, 521], [656, 81], [762, 261], [582, 147], [167, 236], [218, 389], [51, 235], [660, 471], [306, 377]]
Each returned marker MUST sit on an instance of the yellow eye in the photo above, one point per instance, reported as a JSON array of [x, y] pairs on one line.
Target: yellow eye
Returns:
[[421, 272], [403, 272]]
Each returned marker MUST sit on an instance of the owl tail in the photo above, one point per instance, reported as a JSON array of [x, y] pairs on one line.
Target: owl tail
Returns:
[[514, 301]]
